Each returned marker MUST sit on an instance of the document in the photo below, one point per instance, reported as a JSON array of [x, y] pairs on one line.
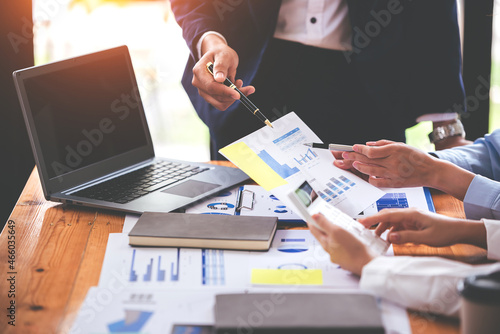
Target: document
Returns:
[[256, 201], [161, 267], [278, 160], [400, 198], [247, 200], [223, 203], [153, 311], [294, 259]]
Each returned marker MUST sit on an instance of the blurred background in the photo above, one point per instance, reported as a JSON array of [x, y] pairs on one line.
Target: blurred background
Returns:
[[57, 29], [67, 28]]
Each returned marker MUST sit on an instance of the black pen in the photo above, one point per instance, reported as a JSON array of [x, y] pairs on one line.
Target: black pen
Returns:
[[331, 147], [244, 100]]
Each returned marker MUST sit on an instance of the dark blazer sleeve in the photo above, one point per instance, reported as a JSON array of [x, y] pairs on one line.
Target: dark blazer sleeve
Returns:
[[195, 17], [247, 26]]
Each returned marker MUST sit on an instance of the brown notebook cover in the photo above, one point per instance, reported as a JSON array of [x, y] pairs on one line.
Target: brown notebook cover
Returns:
[[203, 231], [297, 313]]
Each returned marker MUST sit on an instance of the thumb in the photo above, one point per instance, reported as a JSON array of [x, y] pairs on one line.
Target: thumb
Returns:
[[220, 71], [225, 64], [402, 237]]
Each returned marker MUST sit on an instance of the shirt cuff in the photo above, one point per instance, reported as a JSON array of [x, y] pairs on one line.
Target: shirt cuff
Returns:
[[198, 45], [492, 238], [442, 117], [482, 199]]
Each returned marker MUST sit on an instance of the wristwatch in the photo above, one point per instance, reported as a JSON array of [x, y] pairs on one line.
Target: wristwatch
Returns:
[[448, 130]]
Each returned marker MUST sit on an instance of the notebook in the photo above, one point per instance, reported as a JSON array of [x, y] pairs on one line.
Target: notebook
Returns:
[[297, 313], [203, 231], [92, 144]]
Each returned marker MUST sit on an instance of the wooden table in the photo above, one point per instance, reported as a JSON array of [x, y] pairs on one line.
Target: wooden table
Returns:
[[59, 251]]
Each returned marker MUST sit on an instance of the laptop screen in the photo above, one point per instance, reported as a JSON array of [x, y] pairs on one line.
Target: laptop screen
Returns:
[[86, 113]]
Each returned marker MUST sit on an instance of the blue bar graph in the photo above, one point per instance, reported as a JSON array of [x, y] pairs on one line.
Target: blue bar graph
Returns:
[[310, 155], [133, 274], [174, 268], [392, 200], [149, 270], [346, 180], [283, 170], [213, 271], [161, 273], [133, 322]]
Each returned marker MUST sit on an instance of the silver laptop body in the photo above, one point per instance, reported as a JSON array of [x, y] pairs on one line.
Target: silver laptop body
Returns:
[[87, 126]]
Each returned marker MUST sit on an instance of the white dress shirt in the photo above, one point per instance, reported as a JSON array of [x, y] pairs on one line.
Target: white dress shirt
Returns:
[[321, 23], [427, 283]]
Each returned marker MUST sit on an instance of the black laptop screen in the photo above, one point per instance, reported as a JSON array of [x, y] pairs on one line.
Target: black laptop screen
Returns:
[[85, 114]]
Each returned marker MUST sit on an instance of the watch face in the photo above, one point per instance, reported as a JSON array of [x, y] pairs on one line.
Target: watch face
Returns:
[[445, 131]]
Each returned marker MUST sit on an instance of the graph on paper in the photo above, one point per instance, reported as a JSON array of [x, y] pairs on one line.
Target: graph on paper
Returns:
[[213, 271], [392, 201], [283, 170], [308, 156], [133, 322], [155, 269], [335, 187]]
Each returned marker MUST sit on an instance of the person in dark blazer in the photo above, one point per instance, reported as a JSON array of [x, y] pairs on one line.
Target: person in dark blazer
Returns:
[[376, 66]]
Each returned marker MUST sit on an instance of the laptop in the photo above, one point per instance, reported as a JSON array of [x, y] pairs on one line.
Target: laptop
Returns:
[[91, 141]]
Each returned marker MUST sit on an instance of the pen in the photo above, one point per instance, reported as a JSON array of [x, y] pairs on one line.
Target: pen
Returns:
[[331, 147], [244, 100]]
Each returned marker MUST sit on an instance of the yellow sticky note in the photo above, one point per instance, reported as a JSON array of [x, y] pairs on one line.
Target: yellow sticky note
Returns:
[[287, 276], [249, 162]]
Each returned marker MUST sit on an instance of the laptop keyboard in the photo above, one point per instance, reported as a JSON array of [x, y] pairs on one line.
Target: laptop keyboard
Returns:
[[133, 185]]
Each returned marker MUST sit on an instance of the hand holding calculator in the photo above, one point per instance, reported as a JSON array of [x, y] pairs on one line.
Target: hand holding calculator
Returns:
[[309, 203]]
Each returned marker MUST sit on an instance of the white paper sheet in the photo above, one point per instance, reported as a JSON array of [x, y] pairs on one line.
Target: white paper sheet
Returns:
[[291, 163], [266, 204], [157, 267], [414, 197], [157, 311]]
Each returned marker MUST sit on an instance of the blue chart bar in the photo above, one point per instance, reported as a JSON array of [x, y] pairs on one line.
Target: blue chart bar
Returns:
[[133, 274], [293, 240], [339, 184], [149, 270], [213, 271], [133, 322], [204, 266], [346, 180], [286, 136], [392, 200], [161, 273], [283, 170], [306, 158], [174, 268]]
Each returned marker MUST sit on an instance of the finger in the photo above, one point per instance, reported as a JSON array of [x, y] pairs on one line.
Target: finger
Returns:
[[402, 237], [381, 142], [375, 152], [248, 90], [337, 154], [208, 85], [387, 216], [217, 102], [221, 67], [362, 158], [372, 170], [382, 227], [324, 224], [343, 164]]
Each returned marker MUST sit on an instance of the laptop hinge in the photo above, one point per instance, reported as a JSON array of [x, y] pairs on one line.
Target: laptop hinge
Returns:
[[107, 177]]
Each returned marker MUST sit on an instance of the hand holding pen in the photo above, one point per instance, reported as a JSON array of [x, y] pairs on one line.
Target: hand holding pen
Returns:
[[244, 100], [225, 59]]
